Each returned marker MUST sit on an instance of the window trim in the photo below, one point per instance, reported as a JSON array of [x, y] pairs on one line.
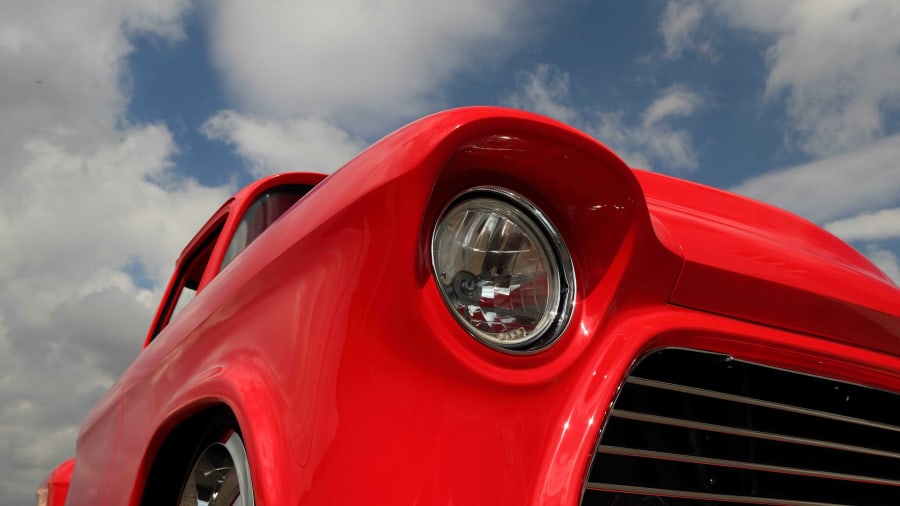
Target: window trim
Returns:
[[296, 188], [206, 240]]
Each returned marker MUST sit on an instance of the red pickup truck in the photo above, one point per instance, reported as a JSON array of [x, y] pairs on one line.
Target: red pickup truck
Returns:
[[490, 307]]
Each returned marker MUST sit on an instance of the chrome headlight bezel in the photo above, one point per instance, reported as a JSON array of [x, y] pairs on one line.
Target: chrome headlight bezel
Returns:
[[544, 236]]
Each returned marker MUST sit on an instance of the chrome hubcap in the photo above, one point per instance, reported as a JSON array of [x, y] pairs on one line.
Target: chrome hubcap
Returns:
[[220, 477]]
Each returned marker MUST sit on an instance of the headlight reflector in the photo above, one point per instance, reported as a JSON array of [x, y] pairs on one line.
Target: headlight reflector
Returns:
[[503, 270]]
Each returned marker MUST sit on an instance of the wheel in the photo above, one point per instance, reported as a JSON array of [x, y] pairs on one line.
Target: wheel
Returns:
[[221, 474]]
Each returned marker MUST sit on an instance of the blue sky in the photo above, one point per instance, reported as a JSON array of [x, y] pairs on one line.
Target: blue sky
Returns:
[[612, 55], [175, 82], [126, 124]]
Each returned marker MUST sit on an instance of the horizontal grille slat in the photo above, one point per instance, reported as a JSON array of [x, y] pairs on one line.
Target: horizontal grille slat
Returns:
[[723, 374], [724, 429], [634, 434], [740, 464], [671, 404], [700, 428], [756, 402], [603, 494]]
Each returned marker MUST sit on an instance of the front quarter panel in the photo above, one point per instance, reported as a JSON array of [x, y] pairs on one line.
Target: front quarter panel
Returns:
[[350, 380], [96, 449], [331, 344]]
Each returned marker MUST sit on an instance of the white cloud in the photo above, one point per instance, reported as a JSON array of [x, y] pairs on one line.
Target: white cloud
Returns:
[[544, 91], [680, 28], [654, 147], [676, 101], [851, 194], [107, 194], [357, 63], [312, 78], [71, 225], [61, 64], [884, 224], [85, 199], [836, 64], [886, 261], [651, 144], [296, 144], [863, 180]]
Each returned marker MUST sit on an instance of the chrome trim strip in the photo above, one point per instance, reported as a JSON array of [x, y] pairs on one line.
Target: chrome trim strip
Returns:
[[722, 429], [662, 385], [685, 494], [739, 464]]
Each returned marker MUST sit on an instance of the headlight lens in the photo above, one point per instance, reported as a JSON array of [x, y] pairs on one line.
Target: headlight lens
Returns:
[[503, 270], [41, 495]]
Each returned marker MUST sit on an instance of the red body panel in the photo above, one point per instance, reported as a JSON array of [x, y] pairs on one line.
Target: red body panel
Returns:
[[781, 270], [56, 486], [352, 383]]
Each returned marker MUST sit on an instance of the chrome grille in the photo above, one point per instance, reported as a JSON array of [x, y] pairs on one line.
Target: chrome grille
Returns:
[[697, 428]]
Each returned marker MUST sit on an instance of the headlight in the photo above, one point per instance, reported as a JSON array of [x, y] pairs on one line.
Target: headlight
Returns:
[[503, 270], [41, 495]]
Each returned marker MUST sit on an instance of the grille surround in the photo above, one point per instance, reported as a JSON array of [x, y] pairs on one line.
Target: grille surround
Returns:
[[697, 428]]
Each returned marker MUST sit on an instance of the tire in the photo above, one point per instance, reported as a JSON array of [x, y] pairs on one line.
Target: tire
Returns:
[[220, 475]]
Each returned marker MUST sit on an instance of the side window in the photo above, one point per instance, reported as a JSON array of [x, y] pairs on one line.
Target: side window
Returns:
[[267, 208], [188, 280]]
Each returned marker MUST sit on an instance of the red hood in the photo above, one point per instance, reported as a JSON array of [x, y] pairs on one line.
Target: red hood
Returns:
[[756, 262]]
